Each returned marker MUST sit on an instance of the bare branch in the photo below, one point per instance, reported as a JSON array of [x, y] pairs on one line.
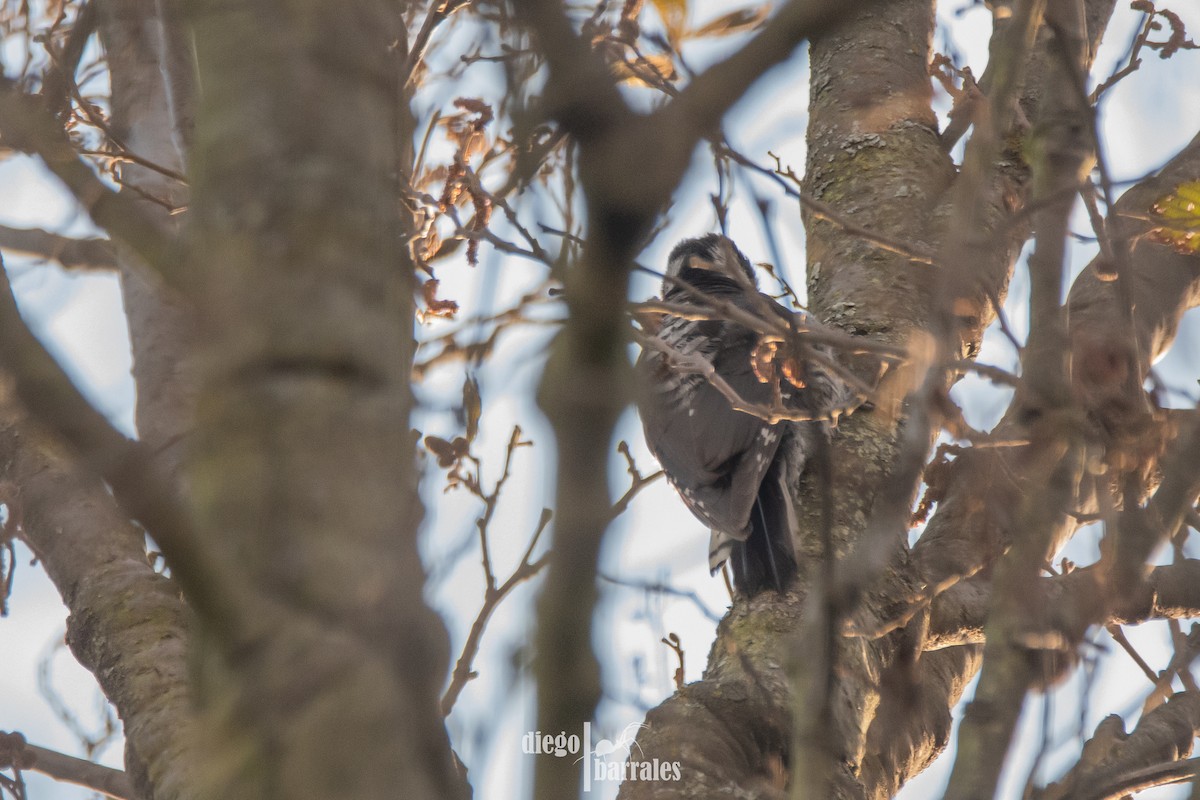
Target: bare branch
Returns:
[[703, 102], [1063, 148], [1115, 763], [25, 124], [1132, 60], [655, 587], [1169, 592], [637, 481], [48, 393], [1118, 635], [696, 363], [90, 775], [492, 597], [439, 12], [60, 76], [581, 92], [128, 624], [83, 254]]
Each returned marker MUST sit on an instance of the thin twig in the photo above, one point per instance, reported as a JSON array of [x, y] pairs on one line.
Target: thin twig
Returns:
[[439, 11], [90, 775], [657, 587], [696, 363], [1132, 61], [637, 482], [492, 597], [84, 254], [25, 124], [1118, 635]]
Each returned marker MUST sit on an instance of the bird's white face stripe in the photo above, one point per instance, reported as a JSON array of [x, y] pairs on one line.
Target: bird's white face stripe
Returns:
[[712, 253]]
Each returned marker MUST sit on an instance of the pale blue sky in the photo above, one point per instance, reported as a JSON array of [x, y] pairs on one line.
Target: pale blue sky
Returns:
[[1145, 121]]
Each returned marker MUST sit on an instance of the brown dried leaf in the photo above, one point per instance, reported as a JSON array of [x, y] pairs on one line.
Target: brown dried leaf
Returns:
[[674, 16], [431, 244], [434, 306], [447, 453], [1178, 40], [474, 105], [734, 22], [436, 175], [473, 143], [472, 407], [650, 71]]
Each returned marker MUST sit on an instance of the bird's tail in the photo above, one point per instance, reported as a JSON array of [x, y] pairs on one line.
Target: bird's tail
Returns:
[[766, 560]]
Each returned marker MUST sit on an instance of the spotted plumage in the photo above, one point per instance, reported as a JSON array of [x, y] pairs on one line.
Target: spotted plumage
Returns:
[[735, 471]]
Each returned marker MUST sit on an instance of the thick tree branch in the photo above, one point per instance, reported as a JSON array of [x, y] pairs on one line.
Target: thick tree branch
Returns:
[[1106, 381], [967, 296], [301, 463], [150, 67], [959, 539], [982, 229], [47, 392], [584, 387], [871, 135], [60, 76], [1169, 592], [1062, 149], [127, 624], [912, 726], [1115, 763], [730, 731]]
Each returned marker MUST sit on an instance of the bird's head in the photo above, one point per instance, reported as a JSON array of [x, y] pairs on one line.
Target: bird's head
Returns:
[[712, 253]]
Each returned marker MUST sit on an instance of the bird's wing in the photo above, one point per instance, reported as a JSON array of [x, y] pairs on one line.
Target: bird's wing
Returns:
[[715, 456]]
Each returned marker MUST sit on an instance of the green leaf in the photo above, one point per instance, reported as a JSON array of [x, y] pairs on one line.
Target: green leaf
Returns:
[[1178, 215]]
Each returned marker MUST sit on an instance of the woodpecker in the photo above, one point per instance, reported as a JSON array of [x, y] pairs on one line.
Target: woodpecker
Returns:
[[736, 471]]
